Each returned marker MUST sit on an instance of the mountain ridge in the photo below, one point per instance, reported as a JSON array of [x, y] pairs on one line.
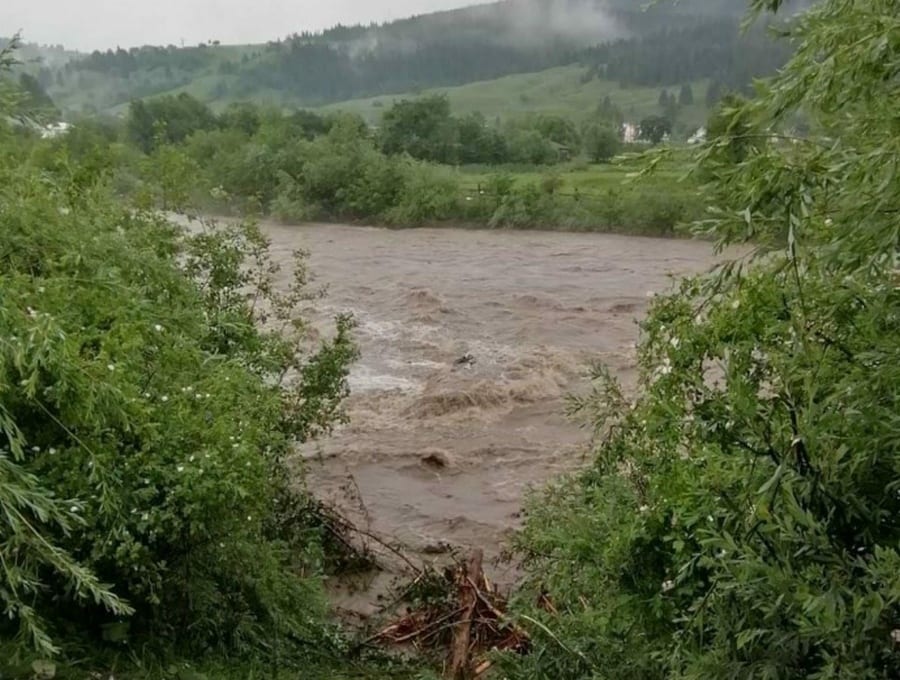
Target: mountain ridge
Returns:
[[442, 49]]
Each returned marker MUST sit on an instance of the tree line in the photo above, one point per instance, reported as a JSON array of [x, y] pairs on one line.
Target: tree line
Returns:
[[717, 50], [423, 128]]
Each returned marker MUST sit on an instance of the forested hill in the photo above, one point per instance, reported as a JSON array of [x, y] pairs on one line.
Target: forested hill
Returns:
[[664, 44]]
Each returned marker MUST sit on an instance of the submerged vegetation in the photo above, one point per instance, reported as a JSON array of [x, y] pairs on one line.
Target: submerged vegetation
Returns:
[[739, 518]]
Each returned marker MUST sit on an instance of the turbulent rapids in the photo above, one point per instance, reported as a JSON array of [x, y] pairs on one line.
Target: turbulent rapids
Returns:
[[470, 342]]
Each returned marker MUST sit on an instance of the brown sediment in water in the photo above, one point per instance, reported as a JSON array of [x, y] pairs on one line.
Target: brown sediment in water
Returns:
[[440, 450]]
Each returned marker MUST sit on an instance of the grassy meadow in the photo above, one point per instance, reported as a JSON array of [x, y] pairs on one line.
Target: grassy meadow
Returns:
[[557, 91]]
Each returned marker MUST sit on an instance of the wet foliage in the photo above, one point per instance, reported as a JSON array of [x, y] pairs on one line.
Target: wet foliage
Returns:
[[152, 381], [740, 519]]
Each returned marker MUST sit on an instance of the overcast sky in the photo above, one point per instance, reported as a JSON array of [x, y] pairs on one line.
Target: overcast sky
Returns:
[[101, 24]]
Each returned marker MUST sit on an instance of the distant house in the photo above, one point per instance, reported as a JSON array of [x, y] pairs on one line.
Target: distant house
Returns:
[[563, 153], [698, 137], [630, 133], [55, 130]]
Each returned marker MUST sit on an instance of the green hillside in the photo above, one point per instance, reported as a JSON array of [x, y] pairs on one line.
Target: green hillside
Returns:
[[666, 44], [558, 91]]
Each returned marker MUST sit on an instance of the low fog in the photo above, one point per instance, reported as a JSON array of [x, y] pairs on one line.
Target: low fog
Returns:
[[100, 24], [513, 22], [574, 20]]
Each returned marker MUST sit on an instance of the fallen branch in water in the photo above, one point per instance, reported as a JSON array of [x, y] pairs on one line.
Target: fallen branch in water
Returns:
[[340, 528]]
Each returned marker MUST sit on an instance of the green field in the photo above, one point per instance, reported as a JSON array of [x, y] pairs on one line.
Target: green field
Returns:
[[558, 91]]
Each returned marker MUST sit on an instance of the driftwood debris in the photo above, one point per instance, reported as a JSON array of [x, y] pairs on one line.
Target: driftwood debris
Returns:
[[468, 622], [471, 575]]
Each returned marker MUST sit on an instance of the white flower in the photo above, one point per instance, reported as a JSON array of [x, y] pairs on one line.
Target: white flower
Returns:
[[52, 451], [191, 459], [146, 395], [668, 585], [221, 545], [111, 367], [158, 328], [644, 508], [675, 342], [145, 516], [164, 398], [180, 468], [74, 508], [249, 518], [36, 449], [735, 304], [41, 289]]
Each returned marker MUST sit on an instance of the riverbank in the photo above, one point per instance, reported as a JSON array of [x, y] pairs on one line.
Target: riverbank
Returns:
[[344, 177]]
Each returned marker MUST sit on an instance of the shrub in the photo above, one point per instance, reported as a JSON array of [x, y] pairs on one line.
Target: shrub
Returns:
[[526, 205], [143, 420], [289, 204], [429, 194]]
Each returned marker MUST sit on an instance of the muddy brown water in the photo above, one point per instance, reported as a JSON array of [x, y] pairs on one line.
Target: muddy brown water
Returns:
[[439, 455]]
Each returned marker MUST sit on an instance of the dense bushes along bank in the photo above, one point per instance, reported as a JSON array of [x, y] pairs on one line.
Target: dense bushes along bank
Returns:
[[145, 513], [741, 518], [302, 166]]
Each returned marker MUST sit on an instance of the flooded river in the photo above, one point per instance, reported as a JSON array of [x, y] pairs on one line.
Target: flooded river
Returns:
[[470, 341]]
